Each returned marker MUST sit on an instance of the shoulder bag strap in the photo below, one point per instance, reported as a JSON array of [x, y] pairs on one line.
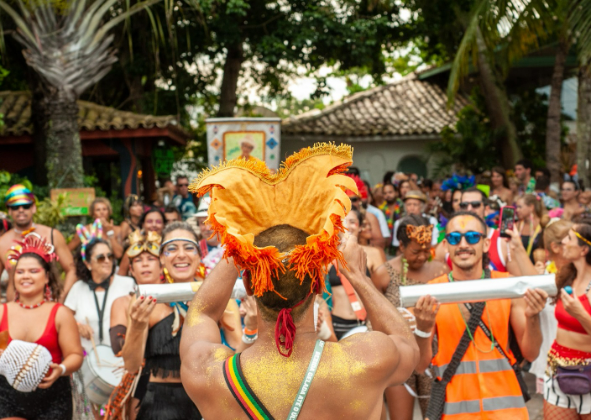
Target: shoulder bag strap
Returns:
[[437, 401], [353, 299], [296, 408]]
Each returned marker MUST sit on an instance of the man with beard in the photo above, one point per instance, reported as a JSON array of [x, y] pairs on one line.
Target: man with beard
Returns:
[[20, 202], [392, 206], [473, 362]]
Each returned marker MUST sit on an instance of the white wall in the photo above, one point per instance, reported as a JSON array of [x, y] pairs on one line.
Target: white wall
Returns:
[[373, 158]]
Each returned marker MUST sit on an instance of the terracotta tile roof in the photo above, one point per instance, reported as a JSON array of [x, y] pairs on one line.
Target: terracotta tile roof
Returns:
[[16, 107], [408, 107]]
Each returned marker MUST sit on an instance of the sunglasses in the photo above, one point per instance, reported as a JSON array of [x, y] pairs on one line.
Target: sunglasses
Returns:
[[183, 185], [354, 199], [472, 237], [101, 258], [21, 206], [474, 204]]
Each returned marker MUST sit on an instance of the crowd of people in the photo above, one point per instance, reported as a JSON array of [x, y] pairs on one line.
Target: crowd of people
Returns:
[[332, 276]]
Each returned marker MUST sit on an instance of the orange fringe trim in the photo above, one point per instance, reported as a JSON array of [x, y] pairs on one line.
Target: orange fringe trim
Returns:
[[261, 263], [314, 257]]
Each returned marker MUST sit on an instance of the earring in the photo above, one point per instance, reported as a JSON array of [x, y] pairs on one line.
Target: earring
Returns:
[[167, 275], [48, 294]]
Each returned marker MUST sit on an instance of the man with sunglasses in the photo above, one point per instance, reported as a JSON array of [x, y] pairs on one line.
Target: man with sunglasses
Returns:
[[481, 378], [183, 200], [503, 255], [20, 203]]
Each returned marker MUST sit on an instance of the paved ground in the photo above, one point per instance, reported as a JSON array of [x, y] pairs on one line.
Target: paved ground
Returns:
[[534, 406]]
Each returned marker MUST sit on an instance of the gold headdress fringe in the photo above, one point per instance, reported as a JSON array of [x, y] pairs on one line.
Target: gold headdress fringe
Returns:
[[244, 204]]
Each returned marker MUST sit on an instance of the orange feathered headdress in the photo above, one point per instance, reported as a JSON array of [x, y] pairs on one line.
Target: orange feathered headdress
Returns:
[[307, 193]]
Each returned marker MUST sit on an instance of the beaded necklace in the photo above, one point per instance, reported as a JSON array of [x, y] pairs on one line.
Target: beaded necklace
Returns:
[[492, 337], [22, 305], [404, 270]]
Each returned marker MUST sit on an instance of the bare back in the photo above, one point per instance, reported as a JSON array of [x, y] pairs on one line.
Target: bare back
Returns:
[[345, 368]]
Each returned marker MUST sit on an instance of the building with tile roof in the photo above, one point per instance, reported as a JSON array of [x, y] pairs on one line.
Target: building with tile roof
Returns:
[[388, 126], [106, 134]]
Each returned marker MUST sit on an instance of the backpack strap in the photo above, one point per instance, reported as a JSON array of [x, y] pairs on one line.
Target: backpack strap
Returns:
[[437, 401]]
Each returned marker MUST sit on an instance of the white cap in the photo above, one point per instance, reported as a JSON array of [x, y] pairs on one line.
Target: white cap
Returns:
[[202, 210]]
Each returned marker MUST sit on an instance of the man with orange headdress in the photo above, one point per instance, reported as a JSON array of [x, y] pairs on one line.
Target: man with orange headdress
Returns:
[[283, 230]]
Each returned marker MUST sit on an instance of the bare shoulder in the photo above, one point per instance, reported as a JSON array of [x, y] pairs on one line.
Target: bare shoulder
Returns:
[[202, 364], [120, 304], [64, 314], [371, 357]]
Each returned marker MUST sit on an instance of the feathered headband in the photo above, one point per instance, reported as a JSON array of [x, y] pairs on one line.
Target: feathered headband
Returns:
[[308, 193], [458, 182], [139, 243], [32, 243], [361, 188], [87, 235]]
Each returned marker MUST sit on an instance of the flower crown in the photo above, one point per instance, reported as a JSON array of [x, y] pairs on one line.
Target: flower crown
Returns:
[[88, 235], [33, 243]]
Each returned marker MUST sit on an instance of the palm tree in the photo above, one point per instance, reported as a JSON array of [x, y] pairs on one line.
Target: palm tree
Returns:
[[69, 47], [513, 26]]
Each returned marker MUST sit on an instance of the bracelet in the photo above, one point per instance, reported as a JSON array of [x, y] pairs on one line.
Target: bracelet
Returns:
[[251, 332], [110, 233], [63, 369], [249, 340], [422, 334]]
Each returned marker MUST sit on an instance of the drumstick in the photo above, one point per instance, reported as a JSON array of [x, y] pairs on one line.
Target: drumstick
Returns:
[[98, 361]]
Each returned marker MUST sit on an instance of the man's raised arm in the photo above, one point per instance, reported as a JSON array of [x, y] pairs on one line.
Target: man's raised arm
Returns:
[[384, 317], [208, 305]]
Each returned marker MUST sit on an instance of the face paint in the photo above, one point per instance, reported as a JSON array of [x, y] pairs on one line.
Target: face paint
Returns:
[[463, 221]]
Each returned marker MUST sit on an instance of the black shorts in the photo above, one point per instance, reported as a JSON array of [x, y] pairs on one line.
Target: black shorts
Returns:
[[52, 403], [167, 401], [342, 326]]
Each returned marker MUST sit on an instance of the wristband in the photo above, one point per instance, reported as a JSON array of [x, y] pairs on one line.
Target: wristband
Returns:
[[422, 334], [110, 233], [251, 332], [249, 340], [63, 369]]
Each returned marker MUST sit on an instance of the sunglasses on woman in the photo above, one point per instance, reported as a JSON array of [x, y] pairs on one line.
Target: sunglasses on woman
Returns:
[[101, 258], [472, 237]]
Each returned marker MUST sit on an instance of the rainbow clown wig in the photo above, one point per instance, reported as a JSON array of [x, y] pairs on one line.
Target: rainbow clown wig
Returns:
[[308, 193]]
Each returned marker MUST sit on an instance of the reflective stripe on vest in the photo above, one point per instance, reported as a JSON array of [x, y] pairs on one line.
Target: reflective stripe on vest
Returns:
[[488, 404], [484, 366]]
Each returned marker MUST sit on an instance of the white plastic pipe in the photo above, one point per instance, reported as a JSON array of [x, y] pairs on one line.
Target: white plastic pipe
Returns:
[[478, 290], [181, 292]]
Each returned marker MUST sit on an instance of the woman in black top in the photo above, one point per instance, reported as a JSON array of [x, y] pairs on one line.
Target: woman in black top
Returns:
[[154, 331]]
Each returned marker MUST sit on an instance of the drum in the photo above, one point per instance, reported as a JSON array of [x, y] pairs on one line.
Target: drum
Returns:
[[101, 375]]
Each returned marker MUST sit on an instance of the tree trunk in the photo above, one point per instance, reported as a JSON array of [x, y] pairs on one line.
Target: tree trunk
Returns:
[[584, 124], [228, 97], [39, 146], [64, 151], [553, 126], [497, 105]]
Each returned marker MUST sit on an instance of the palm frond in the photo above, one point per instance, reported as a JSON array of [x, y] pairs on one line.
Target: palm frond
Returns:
[[69, 52], [580, 22], [509, 29]]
